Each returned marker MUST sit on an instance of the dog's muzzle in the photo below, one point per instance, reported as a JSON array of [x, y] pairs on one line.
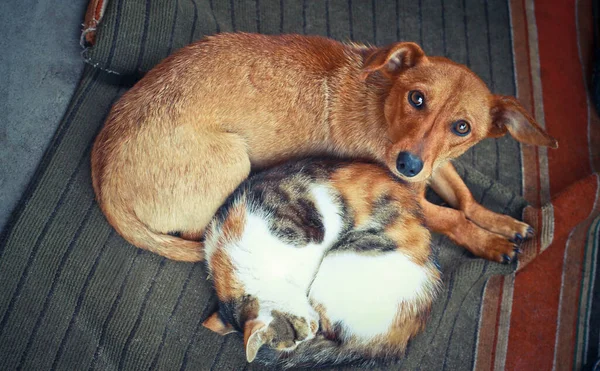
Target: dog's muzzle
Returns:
[[408, 164]]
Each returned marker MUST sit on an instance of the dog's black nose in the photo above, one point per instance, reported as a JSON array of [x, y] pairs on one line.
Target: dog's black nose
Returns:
[[409, 164]]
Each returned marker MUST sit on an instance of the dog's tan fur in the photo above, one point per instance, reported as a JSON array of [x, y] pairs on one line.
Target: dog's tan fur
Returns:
[[185, 136]]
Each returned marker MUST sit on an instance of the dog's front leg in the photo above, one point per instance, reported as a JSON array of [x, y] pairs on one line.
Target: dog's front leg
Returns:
[[449, 185], [454, 224]]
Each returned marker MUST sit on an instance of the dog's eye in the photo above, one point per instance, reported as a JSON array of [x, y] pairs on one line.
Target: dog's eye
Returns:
[[461, 128], [416, 99]]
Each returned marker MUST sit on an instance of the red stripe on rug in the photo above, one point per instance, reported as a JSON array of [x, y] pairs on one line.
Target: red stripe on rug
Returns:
[[564, 98], [533, 322], [487, 325], [537, 287], [569, 301], [530, 168]]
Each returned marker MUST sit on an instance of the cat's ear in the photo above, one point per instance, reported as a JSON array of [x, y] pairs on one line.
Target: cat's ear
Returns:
[[216, 324], [254, 338]]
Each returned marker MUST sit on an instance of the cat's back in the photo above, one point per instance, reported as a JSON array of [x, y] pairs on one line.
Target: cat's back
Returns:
[[313, 202]]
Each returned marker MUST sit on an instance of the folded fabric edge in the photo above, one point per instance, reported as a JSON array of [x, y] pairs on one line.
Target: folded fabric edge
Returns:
[[556, 220]]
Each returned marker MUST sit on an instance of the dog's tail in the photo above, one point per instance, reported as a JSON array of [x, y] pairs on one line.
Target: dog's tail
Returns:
[[321, 352], [137, 233]]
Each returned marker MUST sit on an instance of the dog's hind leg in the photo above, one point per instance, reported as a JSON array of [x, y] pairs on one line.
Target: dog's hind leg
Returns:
[[181, 187]]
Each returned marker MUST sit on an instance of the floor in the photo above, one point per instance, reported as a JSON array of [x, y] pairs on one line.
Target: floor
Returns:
[[40, 65]]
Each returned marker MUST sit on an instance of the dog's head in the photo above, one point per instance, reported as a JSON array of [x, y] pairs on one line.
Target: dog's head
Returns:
[[437, 109]]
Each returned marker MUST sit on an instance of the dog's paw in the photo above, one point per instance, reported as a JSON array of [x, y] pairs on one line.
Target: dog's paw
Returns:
[[514, 230], [498, 248], [491, 246], [519, 232]]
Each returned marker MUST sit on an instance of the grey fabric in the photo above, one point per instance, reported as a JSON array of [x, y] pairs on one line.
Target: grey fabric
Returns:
[[75, 295], [40, 66]]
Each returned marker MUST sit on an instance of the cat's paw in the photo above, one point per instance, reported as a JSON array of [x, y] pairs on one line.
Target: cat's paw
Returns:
[[283, 331], [288, 330]]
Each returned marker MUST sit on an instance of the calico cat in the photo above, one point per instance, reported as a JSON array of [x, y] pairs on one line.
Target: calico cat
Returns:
[[321, 262]]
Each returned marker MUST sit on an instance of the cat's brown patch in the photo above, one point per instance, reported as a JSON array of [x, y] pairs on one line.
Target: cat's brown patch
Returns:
[[411, 237], [216, 324], [411, 317], [233, 225], [227, 285], [361, 185], [408, 323]]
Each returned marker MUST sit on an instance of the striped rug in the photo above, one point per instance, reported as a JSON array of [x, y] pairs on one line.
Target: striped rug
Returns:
[[74, 295], [550, 302]]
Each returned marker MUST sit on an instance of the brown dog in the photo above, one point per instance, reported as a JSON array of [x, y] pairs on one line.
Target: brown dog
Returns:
[[185, 136]]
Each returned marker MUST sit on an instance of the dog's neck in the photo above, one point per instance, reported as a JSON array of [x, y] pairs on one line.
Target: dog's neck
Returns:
[[357, 124]]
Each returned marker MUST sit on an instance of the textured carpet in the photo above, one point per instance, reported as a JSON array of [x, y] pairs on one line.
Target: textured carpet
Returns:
[[39, 71], [74, 295]]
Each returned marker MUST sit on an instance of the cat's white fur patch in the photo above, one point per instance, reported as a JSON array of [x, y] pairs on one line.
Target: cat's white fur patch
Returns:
[[330, 212], [363, 292], [278, 274]]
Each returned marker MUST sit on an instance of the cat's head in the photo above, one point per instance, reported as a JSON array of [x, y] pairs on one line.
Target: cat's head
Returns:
[[282, 333]]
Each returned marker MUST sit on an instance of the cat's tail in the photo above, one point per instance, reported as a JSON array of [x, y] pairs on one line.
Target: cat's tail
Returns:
[[321, 352]]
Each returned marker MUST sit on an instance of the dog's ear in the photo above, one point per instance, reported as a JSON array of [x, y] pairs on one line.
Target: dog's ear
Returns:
[[508, 115], [392, 59], [216, 324]]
